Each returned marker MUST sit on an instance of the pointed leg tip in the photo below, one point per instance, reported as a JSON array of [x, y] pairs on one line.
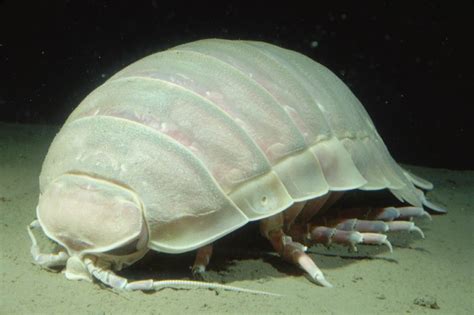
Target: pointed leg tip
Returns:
[[427, 215], [418, 230], [323, 282], [313, 272], [198, 272], [388, 244]]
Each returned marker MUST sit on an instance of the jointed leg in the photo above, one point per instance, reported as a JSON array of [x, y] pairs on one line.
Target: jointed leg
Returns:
[[294, 252], [326, 235], [354, 231], [377, 226], [203, 256], [44, 260], [383, 213], [365, 225], [354, 225]]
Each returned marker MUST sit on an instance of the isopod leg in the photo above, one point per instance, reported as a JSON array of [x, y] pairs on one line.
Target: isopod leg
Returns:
[[294, 252], [369, 222], [44, 260], [326, 235], [384, 213], [203, 256], [377, 226], [403, 213]]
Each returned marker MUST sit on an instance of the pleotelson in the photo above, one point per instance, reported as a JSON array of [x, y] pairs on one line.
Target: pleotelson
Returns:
[[215, 133]]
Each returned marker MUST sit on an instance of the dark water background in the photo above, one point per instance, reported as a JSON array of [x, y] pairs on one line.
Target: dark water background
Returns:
[[409, 62]]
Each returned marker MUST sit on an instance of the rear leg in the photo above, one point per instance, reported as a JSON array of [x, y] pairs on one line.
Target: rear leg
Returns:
[[327, 236], [374, 220], [382, 213], [369, 231], [354, 226]]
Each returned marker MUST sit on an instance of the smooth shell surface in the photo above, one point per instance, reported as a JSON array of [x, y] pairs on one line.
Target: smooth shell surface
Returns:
[[215, 133]]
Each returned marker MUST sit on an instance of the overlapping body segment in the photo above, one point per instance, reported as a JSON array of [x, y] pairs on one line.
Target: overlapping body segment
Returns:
[[206, 136], [245, 111]]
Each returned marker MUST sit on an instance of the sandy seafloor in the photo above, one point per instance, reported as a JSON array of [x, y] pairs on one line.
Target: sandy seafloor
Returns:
[[422, 276]]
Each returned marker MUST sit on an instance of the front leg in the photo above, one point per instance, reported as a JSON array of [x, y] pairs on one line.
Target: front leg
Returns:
[[46, 261], [294, 252], [203, 256]]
